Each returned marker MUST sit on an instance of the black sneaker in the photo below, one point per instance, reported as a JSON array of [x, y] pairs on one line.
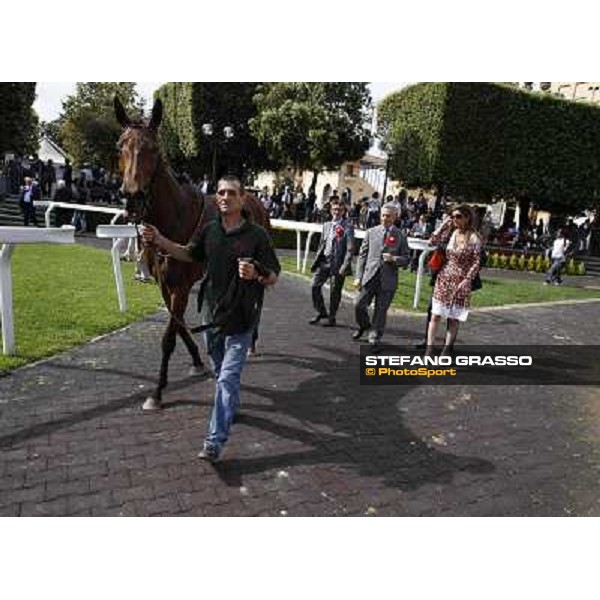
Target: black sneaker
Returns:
[[330, 323], [209, 453]]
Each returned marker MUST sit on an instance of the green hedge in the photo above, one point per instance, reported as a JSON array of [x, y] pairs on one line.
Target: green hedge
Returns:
[[484, 139]]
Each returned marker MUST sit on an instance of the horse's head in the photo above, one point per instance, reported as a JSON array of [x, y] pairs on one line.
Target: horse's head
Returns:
[[139, 158]]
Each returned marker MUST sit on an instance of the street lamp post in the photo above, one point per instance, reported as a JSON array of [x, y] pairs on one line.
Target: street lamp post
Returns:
[[387, 170], [228, 134]]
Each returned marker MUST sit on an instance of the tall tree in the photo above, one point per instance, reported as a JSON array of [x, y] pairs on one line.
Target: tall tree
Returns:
[[189, 106], [89, 130], [313, 125], [51, 129], [18, 120]]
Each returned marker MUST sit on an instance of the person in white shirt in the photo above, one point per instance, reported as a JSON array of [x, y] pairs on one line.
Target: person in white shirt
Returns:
[[558, 256]]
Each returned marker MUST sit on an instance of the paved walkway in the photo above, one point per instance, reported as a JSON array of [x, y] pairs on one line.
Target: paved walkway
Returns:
[[310, 440]]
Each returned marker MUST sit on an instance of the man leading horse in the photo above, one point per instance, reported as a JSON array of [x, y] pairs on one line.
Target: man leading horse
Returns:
[[230, 247]]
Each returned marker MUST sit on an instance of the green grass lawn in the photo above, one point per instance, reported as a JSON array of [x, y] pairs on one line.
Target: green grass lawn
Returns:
[[495, 292], [66, 295]]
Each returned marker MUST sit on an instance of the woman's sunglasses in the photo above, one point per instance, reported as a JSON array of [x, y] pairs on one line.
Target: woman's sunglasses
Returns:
[[457, 216]]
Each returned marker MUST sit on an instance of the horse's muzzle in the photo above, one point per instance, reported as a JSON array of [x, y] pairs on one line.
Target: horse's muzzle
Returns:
[[135, 205]]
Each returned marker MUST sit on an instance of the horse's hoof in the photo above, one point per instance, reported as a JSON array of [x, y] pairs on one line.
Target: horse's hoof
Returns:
[[200, 371], [151, 404]]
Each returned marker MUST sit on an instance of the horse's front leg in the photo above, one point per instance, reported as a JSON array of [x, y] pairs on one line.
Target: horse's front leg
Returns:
[[154, 402], [198, 368]]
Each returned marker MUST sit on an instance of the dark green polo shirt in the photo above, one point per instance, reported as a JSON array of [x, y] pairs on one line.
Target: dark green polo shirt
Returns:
[[219, 250]]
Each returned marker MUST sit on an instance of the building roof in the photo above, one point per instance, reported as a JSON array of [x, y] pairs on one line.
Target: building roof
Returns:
[[51, 151], [374, 161]]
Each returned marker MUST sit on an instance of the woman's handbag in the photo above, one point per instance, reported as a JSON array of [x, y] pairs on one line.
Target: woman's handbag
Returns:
[[437, 260]]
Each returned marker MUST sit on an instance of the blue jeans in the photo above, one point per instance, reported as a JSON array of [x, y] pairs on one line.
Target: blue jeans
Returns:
[[554, 272], [228, 355]]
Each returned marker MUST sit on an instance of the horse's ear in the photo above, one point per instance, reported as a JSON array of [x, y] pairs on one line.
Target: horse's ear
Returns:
[[157, 113], [120, 113]]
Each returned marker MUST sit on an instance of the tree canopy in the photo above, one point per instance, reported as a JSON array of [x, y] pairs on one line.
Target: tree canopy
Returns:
[[18, 121], [313, 125], [189, 106], [88, 129], [481, 140]]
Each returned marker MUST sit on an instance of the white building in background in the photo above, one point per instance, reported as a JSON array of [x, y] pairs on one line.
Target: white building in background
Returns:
[[51, 151]]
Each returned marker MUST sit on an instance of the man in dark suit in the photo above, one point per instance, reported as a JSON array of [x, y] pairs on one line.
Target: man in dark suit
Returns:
[[334, 262], [383, 251]]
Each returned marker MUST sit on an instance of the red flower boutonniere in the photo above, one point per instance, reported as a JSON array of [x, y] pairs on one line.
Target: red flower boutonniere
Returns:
[[339, 231], [390, 240]]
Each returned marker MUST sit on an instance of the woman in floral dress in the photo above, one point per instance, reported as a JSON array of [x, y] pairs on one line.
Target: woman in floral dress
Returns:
[[452, 291]]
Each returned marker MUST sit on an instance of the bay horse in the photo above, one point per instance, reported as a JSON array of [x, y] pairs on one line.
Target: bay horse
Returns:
[[154, 196]]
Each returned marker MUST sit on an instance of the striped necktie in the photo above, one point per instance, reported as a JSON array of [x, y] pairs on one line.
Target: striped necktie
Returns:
[[329, 241]]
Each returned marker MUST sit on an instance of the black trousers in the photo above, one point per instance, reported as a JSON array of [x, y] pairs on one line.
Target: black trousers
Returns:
[[383, 299], [29, 214], [320, 277]]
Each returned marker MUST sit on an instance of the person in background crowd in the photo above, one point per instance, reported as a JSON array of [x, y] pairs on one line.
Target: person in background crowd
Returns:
[[79, 220], [205, 186], [420, 204], [354, 214], [383, 251], [68, 174], [333, 262], [419, 230], [311, 200], [15, 175], [373, 210], [266, 201], [572, 233], [63, 193], [29, 194], [539, 229], [36, 169], [559, 257], [452, 290], [584, 234]]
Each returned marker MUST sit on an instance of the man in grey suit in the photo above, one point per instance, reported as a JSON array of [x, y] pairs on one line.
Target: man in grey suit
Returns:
[[383, 251], [334, 262]]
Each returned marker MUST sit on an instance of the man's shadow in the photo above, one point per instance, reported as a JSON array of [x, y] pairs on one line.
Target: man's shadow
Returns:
[[356, 427]]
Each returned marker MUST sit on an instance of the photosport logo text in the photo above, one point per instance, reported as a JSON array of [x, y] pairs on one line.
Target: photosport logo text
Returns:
[[550, 365]]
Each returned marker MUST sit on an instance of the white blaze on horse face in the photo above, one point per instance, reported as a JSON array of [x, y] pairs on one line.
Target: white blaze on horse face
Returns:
[[138, 154]]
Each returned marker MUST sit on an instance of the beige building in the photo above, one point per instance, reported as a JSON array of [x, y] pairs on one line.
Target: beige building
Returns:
[[583, 91], [362, 177]]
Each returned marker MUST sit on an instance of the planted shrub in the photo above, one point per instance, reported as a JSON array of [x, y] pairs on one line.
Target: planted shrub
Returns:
[[531, 263]]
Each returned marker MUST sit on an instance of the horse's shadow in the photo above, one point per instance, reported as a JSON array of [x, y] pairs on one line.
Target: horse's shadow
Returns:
[[355, 427]]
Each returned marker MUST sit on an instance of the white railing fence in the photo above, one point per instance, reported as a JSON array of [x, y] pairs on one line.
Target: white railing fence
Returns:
[[312, 228], [116, 212], [9, 238], [117, 232]]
